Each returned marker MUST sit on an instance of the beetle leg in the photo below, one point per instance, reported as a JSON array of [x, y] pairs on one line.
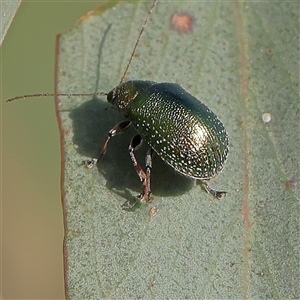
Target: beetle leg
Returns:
[[146, 184], [217, 194], [134, 144], [119, 128], [144, 176]]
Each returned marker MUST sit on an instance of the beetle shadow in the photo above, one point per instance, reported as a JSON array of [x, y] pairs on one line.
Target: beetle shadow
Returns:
[[91, 122]]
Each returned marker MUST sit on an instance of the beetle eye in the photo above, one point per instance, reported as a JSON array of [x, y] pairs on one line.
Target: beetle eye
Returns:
[[110, 96]]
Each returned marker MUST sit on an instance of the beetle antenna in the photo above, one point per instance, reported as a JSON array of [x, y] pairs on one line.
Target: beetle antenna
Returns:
[[100, 93], [52, 94], [68, 94], [138, 39]]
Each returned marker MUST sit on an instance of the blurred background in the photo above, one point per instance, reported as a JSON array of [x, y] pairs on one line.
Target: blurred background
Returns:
[[32, 220]]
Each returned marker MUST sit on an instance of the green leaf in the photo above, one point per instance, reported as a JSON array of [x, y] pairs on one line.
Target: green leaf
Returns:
[[8, 9], [240, 59]]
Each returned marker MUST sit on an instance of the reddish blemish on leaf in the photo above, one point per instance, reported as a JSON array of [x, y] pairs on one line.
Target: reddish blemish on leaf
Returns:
[[291, 184], [183, 23]]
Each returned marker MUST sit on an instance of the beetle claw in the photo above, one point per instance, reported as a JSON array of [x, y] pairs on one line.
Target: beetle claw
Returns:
[[220, 194], [147, 196], [89, 163]]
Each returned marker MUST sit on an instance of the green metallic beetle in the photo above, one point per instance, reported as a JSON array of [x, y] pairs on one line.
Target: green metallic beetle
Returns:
[[184, 132]]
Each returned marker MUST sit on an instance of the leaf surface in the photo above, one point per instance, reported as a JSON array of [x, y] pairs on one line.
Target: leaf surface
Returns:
[[241, 60]]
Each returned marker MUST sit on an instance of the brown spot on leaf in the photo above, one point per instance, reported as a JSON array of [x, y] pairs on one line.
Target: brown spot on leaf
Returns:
[[291, 184], [183, 23], [153, 211]]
